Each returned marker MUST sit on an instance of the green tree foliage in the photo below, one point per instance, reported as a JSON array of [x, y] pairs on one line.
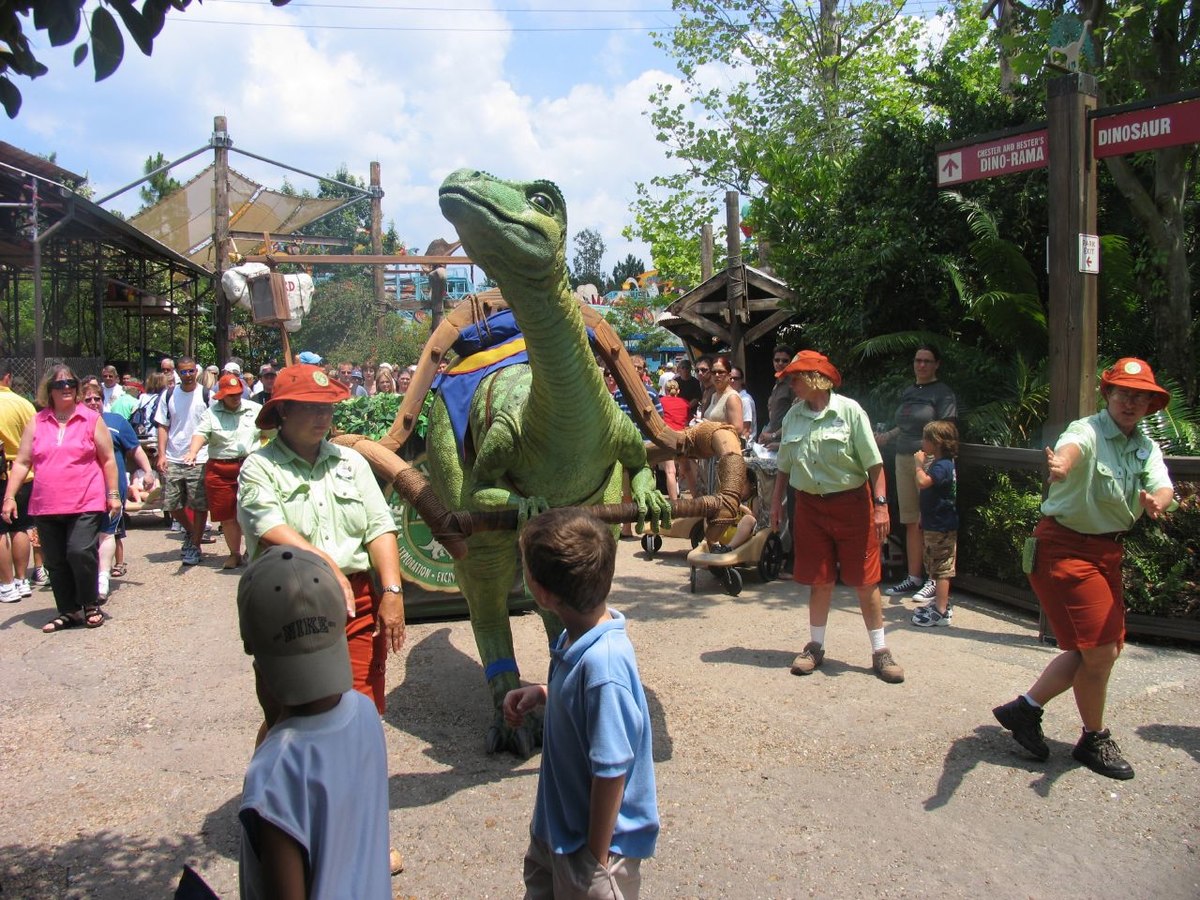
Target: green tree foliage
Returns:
[[157, 186], [629, 267], [1144, 51], [589, 256]]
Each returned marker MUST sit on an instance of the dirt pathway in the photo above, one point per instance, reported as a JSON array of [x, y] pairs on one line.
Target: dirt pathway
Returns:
[[122, 751]]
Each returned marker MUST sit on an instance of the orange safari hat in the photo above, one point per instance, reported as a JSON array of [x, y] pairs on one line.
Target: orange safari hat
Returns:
[[812, 361], [308, 384], [1135, 375]]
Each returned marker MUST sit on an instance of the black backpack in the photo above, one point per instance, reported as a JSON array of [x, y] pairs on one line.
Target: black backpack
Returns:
[[142, 418]]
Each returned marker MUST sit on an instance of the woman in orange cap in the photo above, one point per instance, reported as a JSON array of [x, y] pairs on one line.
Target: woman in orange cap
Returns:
[[828, 454], [229, 429], [304, 491], [1104, 473]]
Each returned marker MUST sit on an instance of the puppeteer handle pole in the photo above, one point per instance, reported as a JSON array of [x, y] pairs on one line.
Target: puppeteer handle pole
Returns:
[[287, 345]]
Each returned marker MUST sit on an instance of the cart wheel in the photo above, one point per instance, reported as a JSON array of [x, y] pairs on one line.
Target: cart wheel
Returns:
[[651, 543], [697, 534], [692, 578], [771, 562], [733, 581]]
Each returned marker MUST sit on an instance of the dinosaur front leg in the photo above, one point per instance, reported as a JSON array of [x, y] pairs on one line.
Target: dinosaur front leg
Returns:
[[486, 576]]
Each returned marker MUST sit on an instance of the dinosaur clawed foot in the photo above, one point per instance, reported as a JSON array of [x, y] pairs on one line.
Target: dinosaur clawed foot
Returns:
[[522, 742]]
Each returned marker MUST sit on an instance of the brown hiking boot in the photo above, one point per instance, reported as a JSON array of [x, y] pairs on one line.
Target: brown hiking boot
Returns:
[[885, 667], [809, 660]]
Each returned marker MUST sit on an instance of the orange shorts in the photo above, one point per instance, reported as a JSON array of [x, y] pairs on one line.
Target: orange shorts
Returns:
[[368, 652], [1077, 579], [835, 534], [220, 487]]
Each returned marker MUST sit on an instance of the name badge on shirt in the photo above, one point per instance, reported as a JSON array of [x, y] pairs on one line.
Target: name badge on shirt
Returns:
[[1142, 453], [839, 422], [344, 470]]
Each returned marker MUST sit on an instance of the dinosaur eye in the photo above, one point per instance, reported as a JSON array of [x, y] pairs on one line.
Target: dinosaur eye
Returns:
[[543, 202]]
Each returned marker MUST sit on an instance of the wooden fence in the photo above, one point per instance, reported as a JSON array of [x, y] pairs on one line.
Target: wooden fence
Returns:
[[1012, 459]]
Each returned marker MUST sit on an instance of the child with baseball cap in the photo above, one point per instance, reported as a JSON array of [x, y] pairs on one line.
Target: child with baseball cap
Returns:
[[314, 808]]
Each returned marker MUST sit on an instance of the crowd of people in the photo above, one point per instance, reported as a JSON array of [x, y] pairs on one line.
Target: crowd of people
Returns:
[[321, 606]]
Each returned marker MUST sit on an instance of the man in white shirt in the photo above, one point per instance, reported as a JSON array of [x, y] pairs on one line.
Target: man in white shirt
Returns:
[[749, 414], [112, 390], [177, 416]]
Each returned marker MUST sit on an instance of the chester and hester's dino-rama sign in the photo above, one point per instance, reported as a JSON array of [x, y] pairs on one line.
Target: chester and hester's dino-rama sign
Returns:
[[1003, 155], [1115, 132]]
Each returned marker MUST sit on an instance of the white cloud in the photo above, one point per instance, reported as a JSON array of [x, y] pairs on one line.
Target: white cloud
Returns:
[[421, 103]]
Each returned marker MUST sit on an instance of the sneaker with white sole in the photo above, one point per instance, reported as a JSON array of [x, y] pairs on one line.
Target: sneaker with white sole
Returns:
[[909, 584], [191, 556], [927, 592], [23, 587], [929, 617], [40, 576], [9, 593]]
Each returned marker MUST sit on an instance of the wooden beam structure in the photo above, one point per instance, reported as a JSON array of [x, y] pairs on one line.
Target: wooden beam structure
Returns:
[[367, 259]]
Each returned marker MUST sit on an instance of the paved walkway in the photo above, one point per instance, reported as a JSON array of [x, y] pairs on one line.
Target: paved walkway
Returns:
[[122, 751]]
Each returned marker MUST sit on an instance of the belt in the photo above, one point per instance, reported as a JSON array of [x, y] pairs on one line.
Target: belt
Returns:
[[857, 490], [1117, 537]]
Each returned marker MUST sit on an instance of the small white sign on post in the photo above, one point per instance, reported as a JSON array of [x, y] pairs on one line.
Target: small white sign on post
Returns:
[[1089, 254]]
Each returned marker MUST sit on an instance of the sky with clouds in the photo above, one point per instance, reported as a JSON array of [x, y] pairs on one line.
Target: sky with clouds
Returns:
[[521, 88]]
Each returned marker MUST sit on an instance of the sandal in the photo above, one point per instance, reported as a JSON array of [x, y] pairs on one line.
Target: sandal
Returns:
[[118, 570], [93, 617], [60, 623]]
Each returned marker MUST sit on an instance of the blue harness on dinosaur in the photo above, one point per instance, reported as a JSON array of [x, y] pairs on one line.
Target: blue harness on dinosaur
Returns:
[[483, 348]]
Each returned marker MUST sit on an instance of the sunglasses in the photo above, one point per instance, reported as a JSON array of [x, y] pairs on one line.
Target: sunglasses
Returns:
[[65, 384], [93, 399], [187, 371], [703, 370]]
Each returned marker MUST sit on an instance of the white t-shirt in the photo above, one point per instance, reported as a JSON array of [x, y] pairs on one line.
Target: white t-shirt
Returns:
[[181, 419], [749, 413], [322, 780]]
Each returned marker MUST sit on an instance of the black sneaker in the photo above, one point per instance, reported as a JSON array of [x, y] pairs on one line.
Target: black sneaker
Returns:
[[1100, 753], [1025, 723]]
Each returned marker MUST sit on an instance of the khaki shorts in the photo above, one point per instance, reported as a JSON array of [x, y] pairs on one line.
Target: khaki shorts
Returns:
[[907, 492], [184, 486], [578, 876], [940, 553]]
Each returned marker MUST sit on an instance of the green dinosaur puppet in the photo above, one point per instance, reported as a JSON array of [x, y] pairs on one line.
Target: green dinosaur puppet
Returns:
[[540, 435]]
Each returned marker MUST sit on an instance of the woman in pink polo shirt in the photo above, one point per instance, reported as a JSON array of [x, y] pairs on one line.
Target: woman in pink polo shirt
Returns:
[[69, 447]]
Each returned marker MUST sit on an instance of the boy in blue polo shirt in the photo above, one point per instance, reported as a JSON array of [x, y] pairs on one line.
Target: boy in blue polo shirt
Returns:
[[596, 814]]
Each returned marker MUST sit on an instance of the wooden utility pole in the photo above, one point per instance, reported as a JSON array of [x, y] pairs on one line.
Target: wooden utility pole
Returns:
[[1072, 234], [381, 305], [735, 287], [221, 144], [706, 251]]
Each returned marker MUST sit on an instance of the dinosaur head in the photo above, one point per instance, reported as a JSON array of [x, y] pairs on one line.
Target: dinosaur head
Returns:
[[513, 230]]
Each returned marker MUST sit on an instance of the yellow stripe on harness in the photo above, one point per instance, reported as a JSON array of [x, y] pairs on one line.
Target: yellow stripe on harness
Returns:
[[489, 357]]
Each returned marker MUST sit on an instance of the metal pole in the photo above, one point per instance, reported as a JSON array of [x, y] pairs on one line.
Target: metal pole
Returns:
[[221, 144]]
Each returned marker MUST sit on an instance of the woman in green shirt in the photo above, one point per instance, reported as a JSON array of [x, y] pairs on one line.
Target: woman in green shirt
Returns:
[[304, 491], [1104, 473]]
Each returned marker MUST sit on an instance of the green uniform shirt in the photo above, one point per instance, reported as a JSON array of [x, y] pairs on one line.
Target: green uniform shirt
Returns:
[[123, 405], [828, 451], [1100, 495], [335, 503], [230, 433]]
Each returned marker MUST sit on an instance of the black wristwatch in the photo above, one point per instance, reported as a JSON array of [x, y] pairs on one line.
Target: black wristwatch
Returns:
[[881, 501]]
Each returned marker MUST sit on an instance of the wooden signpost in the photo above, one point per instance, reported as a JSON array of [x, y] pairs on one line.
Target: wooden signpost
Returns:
[[1069, 143]]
